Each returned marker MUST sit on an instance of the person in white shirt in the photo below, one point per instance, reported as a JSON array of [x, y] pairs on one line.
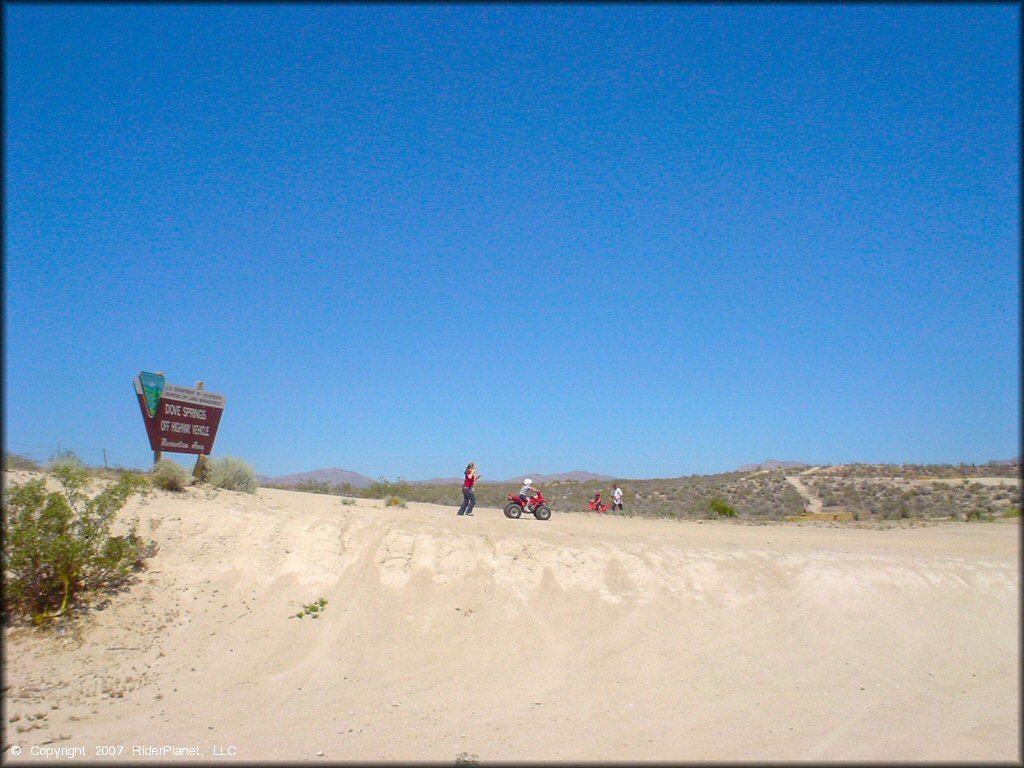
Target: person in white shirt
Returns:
[[617, 498], [526, 491]]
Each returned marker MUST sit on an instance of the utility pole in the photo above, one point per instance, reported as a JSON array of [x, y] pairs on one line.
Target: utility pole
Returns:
[[157, 455]]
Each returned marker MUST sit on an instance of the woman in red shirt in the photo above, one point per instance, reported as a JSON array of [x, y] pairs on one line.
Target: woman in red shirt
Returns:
[[468, 494]]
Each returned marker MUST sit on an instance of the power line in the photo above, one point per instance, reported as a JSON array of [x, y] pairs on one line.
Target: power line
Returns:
[[99, 455]]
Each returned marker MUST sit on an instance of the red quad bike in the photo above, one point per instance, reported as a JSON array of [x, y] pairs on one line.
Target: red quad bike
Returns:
[[537, 505], [593, 507]]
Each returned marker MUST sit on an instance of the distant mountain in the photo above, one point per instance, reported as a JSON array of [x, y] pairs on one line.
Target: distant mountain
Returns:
[[328, 476], [334, 476], [578, 476], [772, 464], [1004, 462], [342, 476]]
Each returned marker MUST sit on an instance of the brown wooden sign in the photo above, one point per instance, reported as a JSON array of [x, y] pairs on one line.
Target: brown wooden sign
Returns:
[[178, 419]]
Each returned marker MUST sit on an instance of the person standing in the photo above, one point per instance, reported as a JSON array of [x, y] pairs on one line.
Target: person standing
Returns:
[[616, 498], [468, 494]]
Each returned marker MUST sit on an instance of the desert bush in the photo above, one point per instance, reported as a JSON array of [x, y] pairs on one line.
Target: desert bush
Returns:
[[721, 508], [383, 489], [233, 474], [57, 545], [169, 476], [315, 486], [394, 501]]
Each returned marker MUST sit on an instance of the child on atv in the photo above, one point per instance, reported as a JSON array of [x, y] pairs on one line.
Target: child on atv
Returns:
[[526, 492]]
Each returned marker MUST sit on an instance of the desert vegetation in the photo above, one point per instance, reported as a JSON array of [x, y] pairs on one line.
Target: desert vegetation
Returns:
[[59, 547], [867, 491], [923, 471], [232, 474], [752, 495], [749, 495], [169, 476], [898, 497], [966, 492], [62, 548]]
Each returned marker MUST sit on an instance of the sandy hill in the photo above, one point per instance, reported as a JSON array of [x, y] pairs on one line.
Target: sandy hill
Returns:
[[584, 638]]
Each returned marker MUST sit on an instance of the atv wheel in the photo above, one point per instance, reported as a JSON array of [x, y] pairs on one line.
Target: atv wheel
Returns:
[[543, 512], [513, 511]]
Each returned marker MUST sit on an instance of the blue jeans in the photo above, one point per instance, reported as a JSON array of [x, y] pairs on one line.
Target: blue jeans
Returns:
[[468, 500]]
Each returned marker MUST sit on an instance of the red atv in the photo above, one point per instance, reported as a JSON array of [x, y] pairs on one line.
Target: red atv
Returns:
[[537, 505], [593, 506]]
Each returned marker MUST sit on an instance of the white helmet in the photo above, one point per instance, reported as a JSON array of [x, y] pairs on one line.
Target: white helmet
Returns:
[[527, 481]]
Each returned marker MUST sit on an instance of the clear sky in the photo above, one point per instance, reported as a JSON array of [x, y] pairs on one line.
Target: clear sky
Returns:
[[640, 240]]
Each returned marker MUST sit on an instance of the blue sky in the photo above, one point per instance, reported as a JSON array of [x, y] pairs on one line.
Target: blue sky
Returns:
[[646, 241]]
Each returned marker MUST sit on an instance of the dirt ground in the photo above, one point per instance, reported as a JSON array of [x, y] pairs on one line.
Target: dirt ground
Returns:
[[583, 638]]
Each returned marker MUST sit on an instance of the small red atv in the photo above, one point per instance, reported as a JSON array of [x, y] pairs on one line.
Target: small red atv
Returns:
[[537, 505]]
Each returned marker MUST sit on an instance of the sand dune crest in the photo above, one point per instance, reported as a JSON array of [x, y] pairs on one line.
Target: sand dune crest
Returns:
[[582, 638]]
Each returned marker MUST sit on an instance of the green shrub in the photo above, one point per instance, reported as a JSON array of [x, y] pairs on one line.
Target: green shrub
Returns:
[[57, 545], [720, 508], [169, 476], [314, 610], [233, 475], [394, 501], [313, 486], [383, 488]]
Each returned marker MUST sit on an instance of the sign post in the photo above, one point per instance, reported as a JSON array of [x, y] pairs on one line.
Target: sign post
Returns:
[[197, 471], [157, 455], [178, 419]]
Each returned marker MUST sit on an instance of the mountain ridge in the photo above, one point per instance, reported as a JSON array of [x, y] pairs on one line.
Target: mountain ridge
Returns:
[[328, 475], [338, 476]]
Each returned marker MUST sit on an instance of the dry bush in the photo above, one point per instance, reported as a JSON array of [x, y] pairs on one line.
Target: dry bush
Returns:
[[169, 476], [232, 474]]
